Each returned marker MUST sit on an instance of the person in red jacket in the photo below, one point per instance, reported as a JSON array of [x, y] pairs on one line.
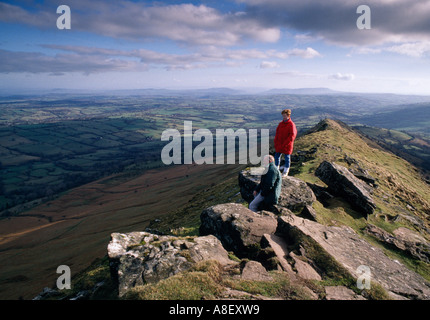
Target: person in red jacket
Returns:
[[286, 133]]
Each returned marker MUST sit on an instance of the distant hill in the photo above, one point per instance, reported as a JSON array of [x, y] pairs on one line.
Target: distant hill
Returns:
[[412, 147], [402, 117], [312, 91]]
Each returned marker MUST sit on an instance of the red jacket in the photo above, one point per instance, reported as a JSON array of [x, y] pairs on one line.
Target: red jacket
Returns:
[[286, 133]]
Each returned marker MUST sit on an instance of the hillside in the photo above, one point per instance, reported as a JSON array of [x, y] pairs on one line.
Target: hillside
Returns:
[[401, 189], [73, 228], [411, 147], [298, 252], [410, 118]]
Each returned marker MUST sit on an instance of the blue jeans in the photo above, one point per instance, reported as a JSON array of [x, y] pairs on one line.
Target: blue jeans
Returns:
[[255, 204], [278, 159]]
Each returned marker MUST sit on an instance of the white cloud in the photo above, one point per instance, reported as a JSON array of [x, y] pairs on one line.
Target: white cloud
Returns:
[[269, 65], [366, 50], [308, 53], [415, 49], [343, 77]]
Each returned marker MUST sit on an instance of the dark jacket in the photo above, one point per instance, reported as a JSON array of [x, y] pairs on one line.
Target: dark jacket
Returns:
[[286, 133], [270, 185]]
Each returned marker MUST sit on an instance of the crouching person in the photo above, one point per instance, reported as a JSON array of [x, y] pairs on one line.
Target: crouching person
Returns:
[[268, 190]]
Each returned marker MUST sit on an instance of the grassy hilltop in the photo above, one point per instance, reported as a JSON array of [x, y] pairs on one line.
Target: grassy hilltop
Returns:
[[401, 198]]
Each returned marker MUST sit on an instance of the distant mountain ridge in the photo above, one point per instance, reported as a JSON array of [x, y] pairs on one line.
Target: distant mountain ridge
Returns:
[[310, 91], [412, 98]]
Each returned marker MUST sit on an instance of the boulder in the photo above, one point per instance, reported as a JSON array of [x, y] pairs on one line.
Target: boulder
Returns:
[[238, 228], [341, 293], [138, 258], [279, 250], [254, 271], [403, 239], [322, 194], [357, 170], [342, 182], [343, 246], [304, 270], [247, 184], [295, 193], [309, 212]]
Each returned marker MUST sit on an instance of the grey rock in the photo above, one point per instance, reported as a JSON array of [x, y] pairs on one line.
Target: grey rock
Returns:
[[403, 239], [238, 228], [322, 194], [47, 293], [279, 246], [309, 213], [304, 270], [82, 295], [357, 170], [254, 271], [350, 251], [342, 182], [280, 250], [341, 293], [138, 258]]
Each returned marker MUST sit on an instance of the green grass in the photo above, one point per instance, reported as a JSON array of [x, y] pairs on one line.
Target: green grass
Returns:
[[208, 280], [201, 282]]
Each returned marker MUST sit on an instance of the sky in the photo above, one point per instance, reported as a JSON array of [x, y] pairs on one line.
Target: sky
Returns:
[[240, 44]]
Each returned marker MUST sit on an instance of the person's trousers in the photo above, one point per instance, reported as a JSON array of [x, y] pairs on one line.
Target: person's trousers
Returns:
[[278, 159], [255, 204]]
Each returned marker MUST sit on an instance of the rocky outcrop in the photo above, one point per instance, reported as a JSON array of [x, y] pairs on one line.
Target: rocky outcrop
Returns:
[[138, 258], [322, 194], [288, 240], [303, 269], [239, 229], [295, 193], [303, 249], [253, 270], [309, 250], [342, 182], [403, 239], [357, 170], [341, 293], [279, 250], [309, 213], [349, 252]]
